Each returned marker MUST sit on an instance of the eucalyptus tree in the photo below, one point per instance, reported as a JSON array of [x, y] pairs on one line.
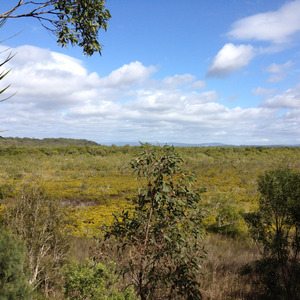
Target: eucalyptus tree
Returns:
[[160, 243], [75, 22]]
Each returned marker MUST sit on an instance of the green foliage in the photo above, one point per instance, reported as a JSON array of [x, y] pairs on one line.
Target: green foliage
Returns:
[[93, 280], [13, 277], [48, 142], [226, 217], [161, 239], [276, 226], [40, 222], [79, 23], [75, 22], [5, 190], [4, 73]]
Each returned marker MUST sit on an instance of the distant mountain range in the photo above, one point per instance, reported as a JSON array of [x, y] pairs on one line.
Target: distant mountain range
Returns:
[[176, 144], [198, 145], [9, 141], [225, 145]]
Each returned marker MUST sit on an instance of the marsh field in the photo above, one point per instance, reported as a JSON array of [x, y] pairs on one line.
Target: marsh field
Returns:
[[91, 182]]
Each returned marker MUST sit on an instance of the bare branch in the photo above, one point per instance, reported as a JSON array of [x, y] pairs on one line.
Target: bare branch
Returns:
[[34, 12], [7, 13]]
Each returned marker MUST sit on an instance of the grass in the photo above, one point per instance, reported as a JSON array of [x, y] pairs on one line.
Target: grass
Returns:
[[226, 259]]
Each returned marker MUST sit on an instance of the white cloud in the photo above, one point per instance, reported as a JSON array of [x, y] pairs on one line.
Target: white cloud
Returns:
[[128, 75], [275, 26], [31, 57], [262, 91], [229, 59], [277, 68], [45, 78], [287, 99], [172, 82], [278, 71], [199, 84], [57, 97]]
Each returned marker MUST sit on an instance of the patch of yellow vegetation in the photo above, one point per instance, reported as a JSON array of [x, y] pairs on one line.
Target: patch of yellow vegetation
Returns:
[[88, 221]]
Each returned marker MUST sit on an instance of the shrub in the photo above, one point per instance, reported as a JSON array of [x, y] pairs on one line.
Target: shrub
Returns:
[[161, 239], [13, 276], [276, 227], [39, 221], [93, 280]]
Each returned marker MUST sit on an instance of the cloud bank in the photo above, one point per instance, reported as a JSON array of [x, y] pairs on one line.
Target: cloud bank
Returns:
[[57, 97]]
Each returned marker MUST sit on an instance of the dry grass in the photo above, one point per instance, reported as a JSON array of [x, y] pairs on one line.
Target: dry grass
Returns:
[[222, 278], [225, 260]]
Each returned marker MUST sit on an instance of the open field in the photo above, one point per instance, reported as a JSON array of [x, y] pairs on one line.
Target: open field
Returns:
[[92, 182]]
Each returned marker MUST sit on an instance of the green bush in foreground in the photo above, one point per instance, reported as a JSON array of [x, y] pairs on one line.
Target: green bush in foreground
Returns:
[[13, 278], [276, 227], [161, 240], [92, 280], [39, 220]]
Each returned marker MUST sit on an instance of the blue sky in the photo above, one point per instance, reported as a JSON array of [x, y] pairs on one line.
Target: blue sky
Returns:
[[190, 71]]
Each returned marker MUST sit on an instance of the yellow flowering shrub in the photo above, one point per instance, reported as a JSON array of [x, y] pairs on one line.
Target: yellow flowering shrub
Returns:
[[95, 184]]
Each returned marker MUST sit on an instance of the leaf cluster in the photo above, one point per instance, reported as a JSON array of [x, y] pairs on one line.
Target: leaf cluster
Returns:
[[92, 280], [79, 23], [75, 22]]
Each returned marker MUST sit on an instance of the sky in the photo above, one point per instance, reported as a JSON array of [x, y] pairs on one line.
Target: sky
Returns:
[[171, 71]]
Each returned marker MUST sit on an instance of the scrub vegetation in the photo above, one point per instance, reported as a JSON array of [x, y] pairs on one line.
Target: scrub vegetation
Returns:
[[86, 221]]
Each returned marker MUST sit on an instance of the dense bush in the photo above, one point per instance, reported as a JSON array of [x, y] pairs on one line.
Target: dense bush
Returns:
[[276, 228], [161, 240], [93, 280], [13, 272], [40, 222]]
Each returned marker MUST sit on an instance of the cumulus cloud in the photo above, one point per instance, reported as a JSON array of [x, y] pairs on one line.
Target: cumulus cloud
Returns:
[[57, 97], [287, 99], [45, 78], [275, 26], [34, 58], [229, 59], [128, 75]]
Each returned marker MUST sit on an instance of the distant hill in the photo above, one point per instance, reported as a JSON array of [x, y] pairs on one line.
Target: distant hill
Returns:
[[57, 142], [10, 141], [175, 144], [227, 145], [198, 145]]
